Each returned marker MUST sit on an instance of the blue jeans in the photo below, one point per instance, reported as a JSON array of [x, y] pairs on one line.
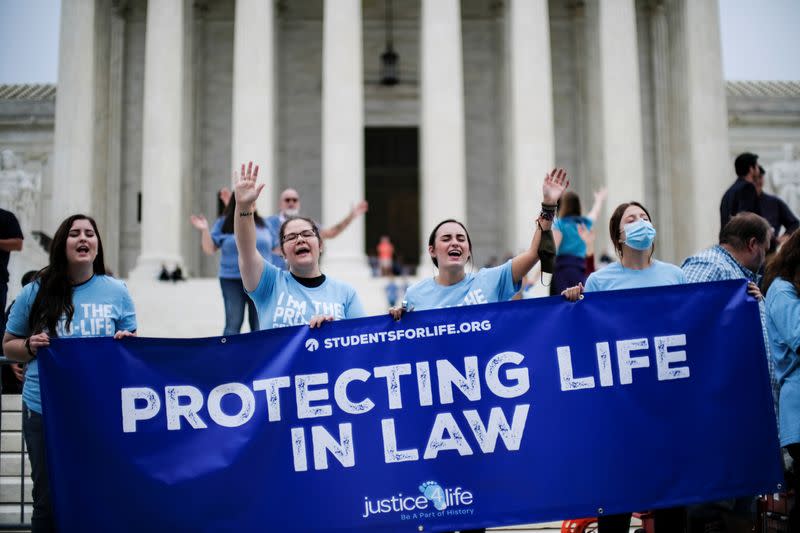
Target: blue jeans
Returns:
[[42, 519], [235, 301]]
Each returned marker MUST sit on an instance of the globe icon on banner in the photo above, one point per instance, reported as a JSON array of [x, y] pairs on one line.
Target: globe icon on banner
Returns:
[[312, 345]]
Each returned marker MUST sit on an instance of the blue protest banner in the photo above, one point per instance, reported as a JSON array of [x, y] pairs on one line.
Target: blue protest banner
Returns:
[[458, 418]]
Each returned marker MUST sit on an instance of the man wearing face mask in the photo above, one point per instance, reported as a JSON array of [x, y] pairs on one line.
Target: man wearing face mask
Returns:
[[740, 254], [289, 204]]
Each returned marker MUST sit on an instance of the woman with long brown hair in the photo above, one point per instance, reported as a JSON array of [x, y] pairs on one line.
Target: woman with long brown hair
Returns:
[[633, 237], [782, 287], [71, 297]]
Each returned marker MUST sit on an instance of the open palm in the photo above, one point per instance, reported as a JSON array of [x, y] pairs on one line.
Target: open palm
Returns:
[[555, 183], [199, 222], [246, 186]]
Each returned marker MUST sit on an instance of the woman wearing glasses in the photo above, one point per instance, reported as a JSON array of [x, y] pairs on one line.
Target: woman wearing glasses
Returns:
[[301, 295]]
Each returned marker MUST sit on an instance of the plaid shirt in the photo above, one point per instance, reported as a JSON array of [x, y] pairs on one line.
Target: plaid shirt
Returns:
[[717, 264]]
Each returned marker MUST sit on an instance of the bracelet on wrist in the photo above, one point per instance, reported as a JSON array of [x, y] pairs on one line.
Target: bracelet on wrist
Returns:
[[28, 348], [245, 213], [547, 215]]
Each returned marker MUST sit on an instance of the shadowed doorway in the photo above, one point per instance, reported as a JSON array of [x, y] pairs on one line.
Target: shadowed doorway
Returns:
[[391, 161]]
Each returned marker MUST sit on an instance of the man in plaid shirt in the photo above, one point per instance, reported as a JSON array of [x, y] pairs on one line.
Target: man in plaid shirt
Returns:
[[740, 254]]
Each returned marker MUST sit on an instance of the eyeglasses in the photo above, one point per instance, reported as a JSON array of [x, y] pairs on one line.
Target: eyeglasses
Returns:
[[305, 234], [291, 200]]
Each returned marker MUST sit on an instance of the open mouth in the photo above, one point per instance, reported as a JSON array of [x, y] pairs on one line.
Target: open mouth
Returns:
[[82, 249], [454, 253], [302, 251]]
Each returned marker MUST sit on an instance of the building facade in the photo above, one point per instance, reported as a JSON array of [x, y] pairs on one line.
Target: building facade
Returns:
[[159, 101]]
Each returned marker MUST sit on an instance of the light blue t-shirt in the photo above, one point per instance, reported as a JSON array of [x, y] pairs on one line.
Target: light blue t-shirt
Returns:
[[274, 223], [615, 276], [229, 254], [281, 301], [102, 305], [783, 330], [571, 242], [488, 285]]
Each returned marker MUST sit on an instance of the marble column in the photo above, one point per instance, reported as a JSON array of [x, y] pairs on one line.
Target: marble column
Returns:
[[659, 43], [531, 136], [705, 168], [254, 94], [74, 142], [342, 129], [443, 189], [621, 103], [116, 87], [163, 138]]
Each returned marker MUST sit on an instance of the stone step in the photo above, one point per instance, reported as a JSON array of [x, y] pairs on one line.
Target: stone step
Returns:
[[10, 514], [10, 464], [10, 487], [11, 403], [194, 308], [11, 441], [11, 421]]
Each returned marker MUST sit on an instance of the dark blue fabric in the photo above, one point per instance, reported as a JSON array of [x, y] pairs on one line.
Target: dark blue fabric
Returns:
[[652, 443], [569, 271]]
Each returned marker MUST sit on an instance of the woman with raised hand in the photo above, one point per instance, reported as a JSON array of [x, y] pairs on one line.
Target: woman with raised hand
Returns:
[[220, 237], [301, 295], [782, 287], [570, 268], [63, 301], [450, 249], [633, 237]]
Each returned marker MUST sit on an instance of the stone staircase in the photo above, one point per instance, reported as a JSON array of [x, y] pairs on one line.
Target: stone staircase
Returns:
[[14, 481], [194, 308]]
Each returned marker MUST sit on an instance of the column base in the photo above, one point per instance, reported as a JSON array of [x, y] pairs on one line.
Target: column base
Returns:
[[148, 267]]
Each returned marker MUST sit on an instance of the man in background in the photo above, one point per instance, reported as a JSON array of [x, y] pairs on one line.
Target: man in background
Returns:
[[742, 195], [289, 205], [775, 211]]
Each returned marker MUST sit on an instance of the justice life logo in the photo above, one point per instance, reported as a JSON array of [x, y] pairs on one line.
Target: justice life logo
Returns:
[[431, 500]]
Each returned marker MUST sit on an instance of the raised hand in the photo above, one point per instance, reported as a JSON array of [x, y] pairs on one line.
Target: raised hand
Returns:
[[225, 195], [555, 183], [199, 222], [246, 186], [359, 209], [600, 195]]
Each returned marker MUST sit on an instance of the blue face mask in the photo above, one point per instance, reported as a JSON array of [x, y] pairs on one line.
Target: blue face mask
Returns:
[[639, 235]]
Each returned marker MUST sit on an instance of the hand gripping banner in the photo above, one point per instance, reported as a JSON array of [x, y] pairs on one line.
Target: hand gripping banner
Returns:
[[458, 418]]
